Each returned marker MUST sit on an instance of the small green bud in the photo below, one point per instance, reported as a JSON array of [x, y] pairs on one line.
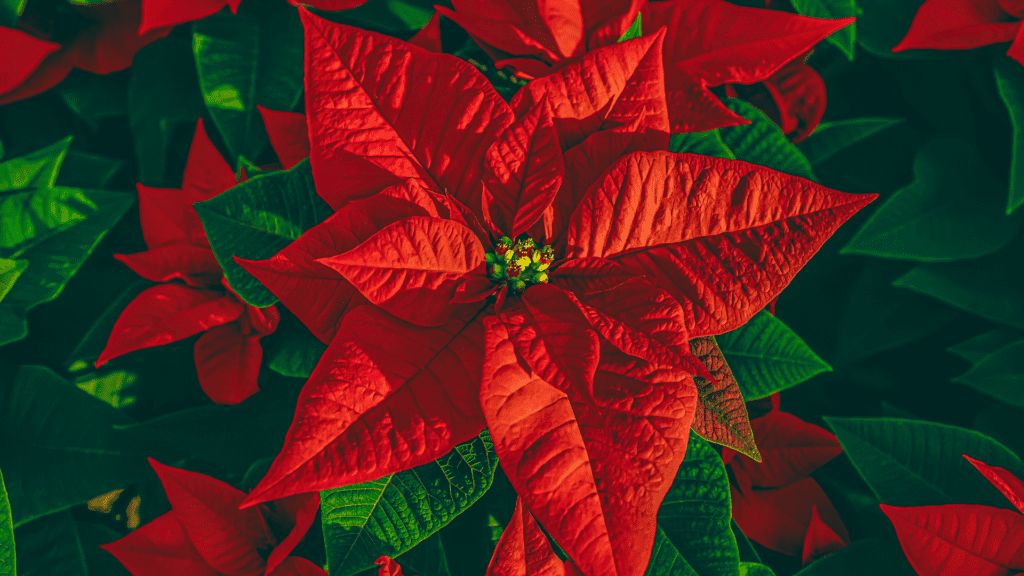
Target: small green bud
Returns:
[[490, 257], [519, 285]]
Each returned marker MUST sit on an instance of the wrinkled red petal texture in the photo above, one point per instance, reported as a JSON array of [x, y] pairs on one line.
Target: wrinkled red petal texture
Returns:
[[160, 548], [368, 130], [684, 220], [289, 135], [607, 88], [547, 31], [429, 37], [1002, 479], [589, 275], [721, 414], [713, 42], [168, 13], [799, 94], [228, 363], [195, 265], [523, 550], [779, 518], [329, 5], [791, 450], [820, 540], [960, 539], [555, 339], [959, 25], [302, 508], [167, 313], [226, 537], [388, 567], [315, 293], [296, 566], [24, 54], [524, 170], [386, 396], [594, 474], [413, 267]]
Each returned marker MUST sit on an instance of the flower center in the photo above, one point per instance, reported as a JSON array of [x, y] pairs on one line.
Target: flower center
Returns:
[[520, 264]]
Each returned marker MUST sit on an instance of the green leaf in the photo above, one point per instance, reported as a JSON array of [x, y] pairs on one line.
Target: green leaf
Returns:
[[746, 549], [95, 339], [94, 97], [872, 556], [1010, 81], [755, 569], [81, 170], [762, 142], [256, 219], [163, 94], [8, 563], [37, 169], [987, 287], [918, 463], [976, 349], [1000, 374], [884, 23], [666, 560], [10, 12], [99, 561], [697, 511], [10, 271], [635, 30], [50, 546], [112, 387], [253, 57], [830, 138], [58, 446], [391, 515], [426, 558], [293, 351], [708, 143], [952, 210], [766, 356], [844, 38]]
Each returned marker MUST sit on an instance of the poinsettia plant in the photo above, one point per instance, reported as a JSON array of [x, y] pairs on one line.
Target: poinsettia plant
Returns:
[[339, 287]]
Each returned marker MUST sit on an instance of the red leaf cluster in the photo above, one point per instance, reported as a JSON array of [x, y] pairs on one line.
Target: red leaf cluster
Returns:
[[964, 24], [536, 267]]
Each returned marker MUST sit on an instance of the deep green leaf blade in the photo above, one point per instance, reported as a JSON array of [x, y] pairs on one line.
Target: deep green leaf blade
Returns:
[[844, 38], [746, 549], [755, 569], [1000, 374], [37, 169], [919, 463], [426, 558], [831, 138], [976, 349], [871, 556], [50, 546], [256, 219], [10, 271], [883, 25], [1010, 81], [762, 142], [292, 350], [391, 515], [10, 12], [952, 211], [697, 511], [81, 170], [8, 560], [635, 30], [49, 427], [666, 559], [766, 356], [708, 143]]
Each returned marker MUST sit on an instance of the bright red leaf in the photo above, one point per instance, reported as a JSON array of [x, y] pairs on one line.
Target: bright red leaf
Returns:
[[195, 265], [289, 135], [821, 540], [1002, 479], [523, 550], [160, 548], [779, 518], [388, 567], [964, 24], [228, 363], [429, 37], [790, 448]]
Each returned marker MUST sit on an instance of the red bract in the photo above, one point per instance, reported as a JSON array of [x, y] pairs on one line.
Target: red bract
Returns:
[[964, 24], [569, 342], [37, 57], [523, 550], [707, 43], [821, 540], [168, 13], [228, 355], [794, 98], [205, 534], [774, 501]]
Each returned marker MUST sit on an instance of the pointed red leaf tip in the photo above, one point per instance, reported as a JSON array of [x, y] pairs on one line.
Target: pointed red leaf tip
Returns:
[[607, 88], [780, 518], [167, 313], [429, 37], [791, 450], [821, 540], [679, 219], [714, 42], [593, 472], [960, 25], [25, 53], [289, 135], [523, 550], [1002, 479], [160, 548], [316, 293], [524, 170], [412, 268], [225, 536], [386, 396], [388, 567], [168, 13], [367, 132], [959, 539]]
